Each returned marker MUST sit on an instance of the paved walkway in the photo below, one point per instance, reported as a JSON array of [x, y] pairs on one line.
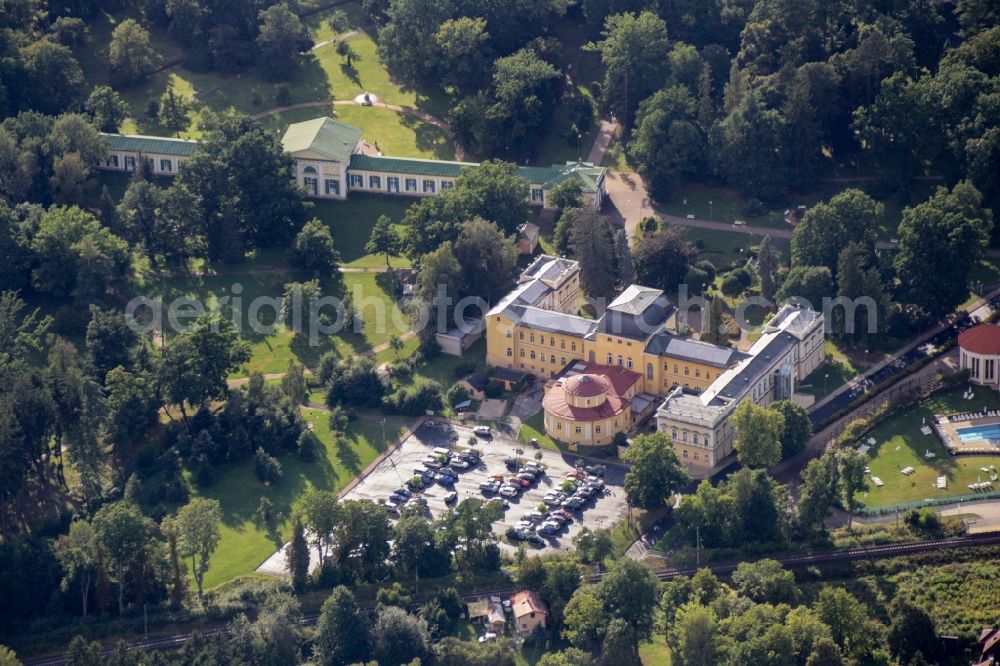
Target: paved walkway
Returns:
[[602, 142], [415, 113]]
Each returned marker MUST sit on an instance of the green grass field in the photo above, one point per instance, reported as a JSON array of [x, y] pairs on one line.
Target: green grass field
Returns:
[[901, 444], [244, 545], [351, 223], [272, 349], [321, 75], [826, 379], [723, 248]]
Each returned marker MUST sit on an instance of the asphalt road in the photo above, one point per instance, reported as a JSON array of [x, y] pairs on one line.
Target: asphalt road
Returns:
[[925, 349]]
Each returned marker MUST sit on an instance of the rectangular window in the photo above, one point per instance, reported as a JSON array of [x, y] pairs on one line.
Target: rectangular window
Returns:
[[332, 187], [375, 182], [537, 195], [357, 180], [510, 352], [447, 184], [411, 184], [392, 183], [520, 335], [597, 429], [113, 161], [166, 165], [428, 186], [129, 163], [310, 184]]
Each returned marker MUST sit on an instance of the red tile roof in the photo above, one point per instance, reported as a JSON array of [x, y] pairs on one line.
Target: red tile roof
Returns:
[[527, 601], [982, 339], [586, 386], [614, 381]]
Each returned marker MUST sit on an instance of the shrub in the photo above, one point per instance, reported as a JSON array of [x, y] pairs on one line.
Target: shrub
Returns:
[[308, 446], [754, 208], [415, 400], [266, 467], [731, 286], [456, 394]]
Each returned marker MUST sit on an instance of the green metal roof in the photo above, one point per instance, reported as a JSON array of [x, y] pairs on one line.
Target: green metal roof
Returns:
[[136, 143], [547, 177], [409, 165], [326, 136]]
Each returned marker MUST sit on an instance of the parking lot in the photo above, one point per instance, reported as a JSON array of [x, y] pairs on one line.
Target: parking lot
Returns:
[[605, 509]]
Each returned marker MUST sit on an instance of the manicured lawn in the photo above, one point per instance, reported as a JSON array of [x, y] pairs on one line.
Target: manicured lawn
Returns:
[[351, 223], [441, 369], [392, 132], [826, 379], [901, 444], [691, 198], [722, 248], [244, 546], [322, 75], [534, 428], [272, 349]]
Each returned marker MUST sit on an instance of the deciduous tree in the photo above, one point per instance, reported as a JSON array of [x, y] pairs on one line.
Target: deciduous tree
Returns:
[[655, 473], [758, 433]]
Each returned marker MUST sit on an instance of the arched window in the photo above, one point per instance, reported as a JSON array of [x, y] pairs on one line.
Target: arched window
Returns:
[[684, 436], [619, 359], [309, 169], [696, 438]]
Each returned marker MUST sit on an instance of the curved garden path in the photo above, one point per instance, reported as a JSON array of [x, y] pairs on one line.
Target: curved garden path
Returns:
[[410, 111]]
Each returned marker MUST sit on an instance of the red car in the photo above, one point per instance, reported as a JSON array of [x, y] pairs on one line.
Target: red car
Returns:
[[523, 483], [564, 514], [577, 474]]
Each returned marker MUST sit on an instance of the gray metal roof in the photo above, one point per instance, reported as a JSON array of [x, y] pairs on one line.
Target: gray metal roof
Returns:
[[674, 346], [635, 299], [756, 365], [554, 322], [547, 267]]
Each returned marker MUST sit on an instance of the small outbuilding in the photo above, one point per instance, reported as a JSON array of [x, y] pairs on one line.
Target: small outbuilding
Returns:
[[475, 384], [530, 612], [527, 238]]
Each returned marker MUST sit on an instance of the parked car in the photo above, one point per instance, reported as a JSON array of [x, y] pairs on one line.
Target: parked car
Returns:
[[536, 540], [521, 483], [488, 637], [422, 501], [563, 514], [573, 504], [481, 431], [420, 471], [432, 462], [511, 463], [391, 507], [507, 490], [459, 463], [398, 499], [576, 474], [596, 470], [489, 487], [527, 476], [451, 497], [445, 479], [596, 482], [547, 529], [403, 491], [534, 516], [553, 498], [586, 492]]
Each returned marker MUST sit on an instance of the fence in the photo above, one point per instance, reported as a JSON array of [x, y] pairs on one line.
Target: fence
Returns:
[[916, 504], [912, 389]]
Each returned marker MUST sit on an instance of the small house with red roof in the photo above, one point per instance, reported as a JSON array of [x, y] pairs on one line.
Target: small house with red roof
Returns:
[[980, 354], [530, 612], [588, 404]]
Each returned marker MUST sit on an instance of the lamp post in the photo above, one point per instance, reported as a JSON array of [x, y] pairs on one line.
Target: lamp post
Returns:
[[711, 211], [825, 377]]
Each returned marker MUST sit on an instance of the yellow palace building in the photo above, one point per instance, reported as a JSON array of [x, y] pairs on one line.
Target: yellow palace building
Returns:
[[631, 359]]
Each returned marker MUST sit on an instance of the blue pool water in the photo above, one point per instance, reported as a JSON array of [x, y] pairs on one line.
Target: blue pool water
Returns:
[[977, 433]]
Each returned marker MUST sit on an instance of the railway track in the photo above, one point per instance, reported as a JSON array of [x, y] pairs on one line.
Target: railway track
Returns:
[[830, 557], [722, 568]]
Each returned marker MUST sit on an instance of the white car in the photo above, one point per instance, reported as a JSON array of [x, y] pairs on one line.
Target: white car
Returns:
[[481, 431], [487, 637], [509, 491]]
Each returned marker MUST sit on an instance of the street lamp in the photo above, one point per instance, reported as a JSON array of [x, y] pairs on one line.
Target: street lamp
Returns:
[[711, 211], [825, 377]]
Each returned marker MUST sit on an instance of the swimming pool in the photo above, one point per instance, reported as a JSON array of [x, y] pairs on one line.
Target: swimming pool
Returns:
[[978, 433]]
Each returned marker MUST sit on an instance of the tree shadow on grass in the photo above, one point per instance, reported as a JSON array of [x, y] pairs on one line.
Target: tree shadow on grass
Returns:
[[429, 137], [351, 72], [347, 453]]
